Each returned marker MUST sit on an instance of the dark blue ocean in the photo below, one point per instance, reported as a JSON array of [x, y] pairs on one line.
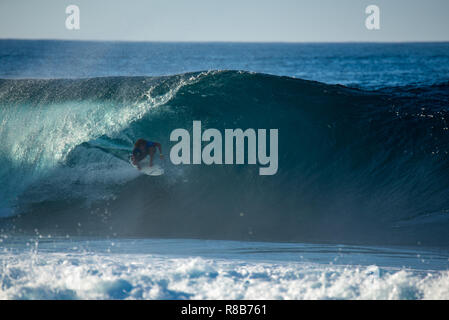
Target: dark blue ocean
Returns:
[[365, 65], [358, 208]]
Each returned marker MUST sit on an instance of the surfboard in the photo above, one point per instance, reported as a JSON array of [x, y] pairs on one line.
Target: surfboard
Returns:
[[154, 170]]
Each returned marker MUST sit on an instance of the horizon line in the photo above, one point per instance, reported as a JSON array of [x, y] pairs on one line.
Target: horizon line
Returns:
[[226, 41]]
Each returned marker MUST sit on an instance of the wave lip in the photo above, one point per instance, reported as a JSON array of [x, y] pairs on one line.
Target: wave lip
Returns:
[[352, 164]]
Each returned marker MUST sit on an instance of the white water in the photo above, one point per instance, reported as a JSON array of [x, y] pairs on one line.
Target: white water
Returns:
[[200, 269]]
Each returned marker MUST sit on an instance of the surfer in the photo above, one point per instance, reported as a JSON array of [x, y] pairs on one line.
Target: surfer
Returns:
[[142, 148]]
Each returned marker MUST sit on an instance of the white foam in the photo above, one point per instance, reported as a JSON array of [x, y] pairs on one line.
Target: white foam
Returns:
[[137, 276]]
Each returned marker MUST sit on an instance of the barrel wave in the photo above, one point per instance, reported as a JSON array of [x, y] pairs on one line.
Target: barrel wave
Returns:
[[354, 166]]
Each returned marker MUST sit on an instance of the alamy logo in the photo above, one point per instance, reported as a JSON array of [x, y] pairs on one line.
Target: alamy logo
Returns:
[[72, 22], [372, 22], [257, 151]]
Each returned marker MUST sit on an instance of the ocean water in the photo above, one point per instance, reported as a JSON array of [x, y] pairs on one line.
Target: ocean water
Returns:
[[83, 268], [358, 208]]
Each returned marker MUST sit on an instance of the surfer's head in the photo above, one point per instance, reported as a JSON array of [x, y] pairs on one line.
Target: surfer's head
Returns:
[[140, 143]]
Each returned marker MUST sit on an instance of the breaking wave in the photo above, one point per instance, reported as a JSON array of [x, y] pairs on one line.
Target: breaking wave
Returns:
[[355, 166]]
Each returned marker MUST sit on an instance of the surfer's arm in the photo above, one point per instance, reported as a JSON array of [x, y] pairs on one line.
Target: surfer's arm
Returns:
[[136, 163]]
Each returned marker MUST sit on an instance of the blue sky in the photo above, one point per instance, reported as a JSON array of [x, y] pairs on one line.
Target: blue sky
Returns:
[[227, 20]]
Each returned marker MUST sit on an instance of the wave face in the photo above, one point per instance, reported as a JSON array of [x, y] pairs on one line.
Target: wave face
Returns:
[[354, 166]]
